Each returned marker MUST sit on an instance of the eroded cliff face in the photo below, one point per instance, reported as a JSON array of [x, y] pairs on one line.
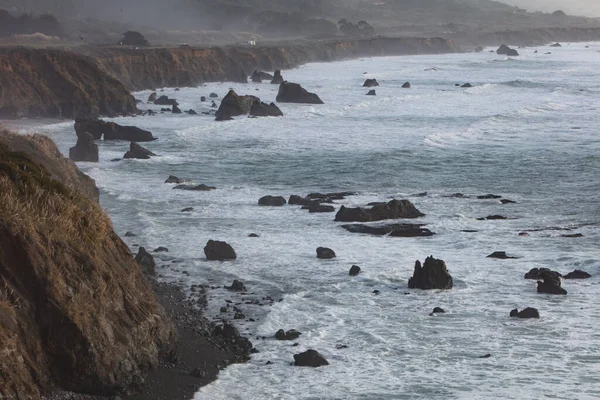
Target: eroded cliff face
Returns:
[[75, 310], [140, 69], [58, 84]]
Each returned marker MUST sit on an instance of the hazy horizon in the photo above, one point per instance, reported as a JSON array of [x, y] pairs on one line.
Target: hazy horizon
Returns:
[[586, 8]]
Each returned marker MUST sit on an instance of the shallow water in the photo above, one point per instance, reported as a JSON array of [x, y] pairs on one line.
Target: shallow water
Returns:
[[527, 130]]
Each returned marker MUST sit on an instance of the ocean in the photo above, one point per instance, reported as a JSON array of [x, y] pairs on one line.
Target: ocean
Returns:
[[526, 130]]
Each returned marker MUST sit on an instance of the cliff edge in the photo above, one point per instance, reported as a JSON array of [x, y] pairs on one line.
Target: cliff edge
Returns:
[[76, 311]]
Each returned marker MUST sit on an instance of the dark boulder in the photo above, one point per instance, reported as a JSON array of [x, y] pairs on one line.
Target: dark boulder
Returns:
[[303, 201], [160, 249], [198, 188], [137, 151], [292, 334], [130, 234], [174, 179], [176, 110], [253, 235], [277, 78], [236, 286], [501, 255], [165, 101], [507, 201], [529, 312], [187, 209], [406, 85], [556, 45], [372, 93], [577, 274], [503, 50], [146, 262], [202, 99], [260, 109], [489, 196], [319, 208], [294, 93], [85, 149], [354, 270], [467, 85], [492, 218], [512, 53], [438, 310], [394, 209], [393, 230], [219, 251], [275, 201], [112, 131], [259, 76], [328, 197], [234, 104], [213, 95], [310, 358], [432, 275], [536, 273], [325, 253], [550, 284], [152, 98], [371, 83]]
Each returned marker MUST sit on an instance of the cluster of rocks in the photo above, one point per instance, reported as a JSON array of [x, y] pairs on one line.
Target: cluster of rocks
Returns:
[[259, 76], [233, 105]]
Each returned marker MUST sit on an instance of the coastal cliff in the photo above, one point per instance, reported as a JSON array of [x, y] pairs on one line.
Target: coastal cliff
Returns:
[[57, 84], [150, 68], [76, 312]]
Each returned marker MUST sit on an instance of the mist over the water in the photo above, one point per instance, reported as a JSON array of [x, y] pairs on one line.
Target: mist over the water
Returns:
[[587, 8]]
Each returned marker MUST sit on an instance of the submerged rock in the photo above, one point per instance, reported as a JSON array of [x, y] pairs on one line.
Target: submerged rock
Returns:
[[536, 273], [501, 255], [219, 251], [577, 274], [174, 179], [198, 188], [393, 230], [294, 93], [139, 152], [406, 85], [292, 334], [529, 312], [236, 286], [325, 253], [392, 210], [310, 358], [432, 275], [276, 201]]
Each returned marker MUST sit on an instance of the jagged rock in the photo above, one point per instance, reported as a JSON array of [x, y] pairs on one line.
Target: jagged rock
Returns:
[[236, 286], [529, 312], [393, 230], [577, 274], [372, 93], [152, 98], [550, 284], [137, 151], [406, 85], [536, 273], [85, 149], [234, 104], [198, 188], [432, 275], [176, 110], [292, 334], [277, 78], [325, 253], [294, 93], [165, 101], [310, 358], [394, 209], [276, 201], [146, 262], [260, 109], [371, 83], [219, 251], [354, 270], [501, 255], [112, 131]]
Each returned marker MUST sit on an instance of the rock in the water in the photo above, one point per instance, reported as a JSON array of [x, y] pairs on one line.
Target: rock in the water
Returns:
[[505, 50], [492, 218], [137, 151], [354, 270], [432, 275], [489, 196], [160, 250], [213, 95], [577, 274], [236, 286], [318, 208], [406, 85], [260, 109], [292, 334], [112, 131], [277, 78], [259, 76], [393, 230], [507, 201], [467, 85], [550, 284], [294, 93], [501, 255], [529, 312], [276, 201], [234, 104], [219, 251], [187, 209], [130, 234], [556, 45], [392, 210], [202, 99], [310, 358], [165, 101], [174, 179], [438, 310], [198, 188], [176, 110], [303, 201], [152, 98], [371, 83], [253, 235], [372, 93], [85, 149], [329, 197], [536, 273], [325, 253], [146, 262]]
